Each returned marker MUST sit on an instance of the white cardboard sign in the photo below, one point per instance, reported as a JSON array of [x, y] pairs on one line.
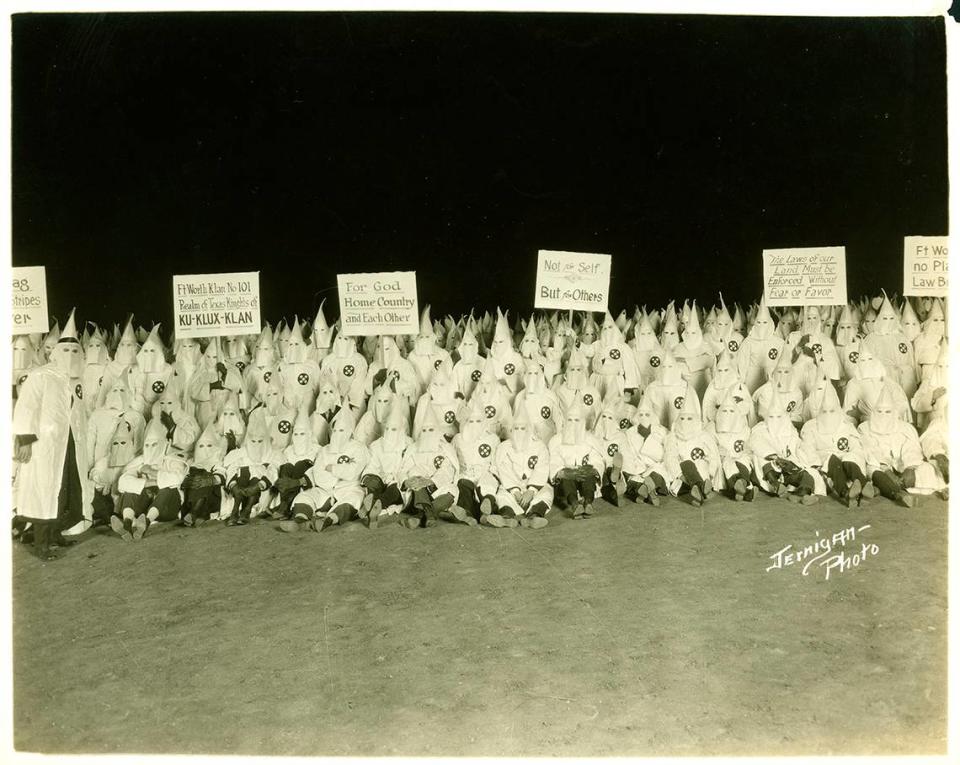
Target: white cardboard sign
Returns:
[[578, 281], [216, 305], [383, 303], [805, 276], [925, 264], [30, 300]]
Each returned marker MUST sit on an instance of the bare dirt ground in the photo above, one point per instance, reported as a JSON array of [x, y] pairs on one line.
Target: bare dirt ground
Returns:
[[638, 632]]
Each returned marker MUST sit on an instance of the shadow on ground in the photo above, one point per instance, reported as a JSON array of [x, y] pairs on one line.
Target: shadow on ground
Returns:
[[640, 631]]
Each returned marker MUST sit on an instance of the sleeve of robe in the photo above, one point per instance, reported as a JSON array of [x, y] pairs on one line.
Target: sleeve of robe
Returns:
[[506, 470], [26, 414], [351, 471], [171, 473], [186, 432]]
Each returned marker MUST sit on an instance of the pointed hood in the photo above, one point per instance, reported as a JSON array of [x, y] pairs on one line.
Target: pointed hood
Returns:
[[763, 327], [888, 322], [265, 352], [692, 335], [127, 345], [730, 418], [909, 321], [883, 415], [426, 325], [209, 449], [150, 357], [502, 343], [322, 333], [521, 429], [669, 333], [530, 343]]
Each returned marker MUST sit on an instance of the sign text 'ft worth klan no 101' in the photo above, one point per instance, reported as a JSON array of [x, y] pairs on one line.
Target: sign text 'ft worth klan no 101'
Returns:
[[379, 303], [30, 300], [805, 276], [925, 266], [216, 305], [577, 281]]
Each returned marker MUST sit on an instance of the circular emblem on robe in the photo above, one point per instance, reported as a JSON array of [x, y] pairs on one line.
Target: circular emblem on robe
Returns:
[[303, 378], [484, 450], [772, 353], [394, 374], [449, 418], [853, 357], [612, 449], [614, 353], [490, 411], [437, 363], [696, 453], [654, 361], [625, 423], [240, 365], [438, 461], [78, 391], [348, 370], [267, 375], [787, 451], [158, 386], [843, 444], [545, 412], [343, 459], [509, 369], [585, 461], [588, 399], [475, 375], [738, 445], [791, 405], [817, 349], [678, 402], [902, 347], [24, 377], [532, 461], [284, 426], [733, 346]]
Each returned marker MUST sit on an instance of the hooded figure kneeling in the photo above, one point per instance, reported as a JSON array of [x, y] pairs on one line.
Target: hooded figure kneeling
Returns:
[[149, 486], [576, 462], [333, 494], [429, 470], [690, 453]]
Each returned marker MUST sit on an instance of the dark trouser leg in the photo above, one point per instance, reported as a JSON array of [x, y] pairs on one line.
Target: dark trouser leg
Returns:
[[887, 484], [167, 502], [467, 498], [587, 488], [391, 496], [103, 505], [70, 499], [373, 484], [607, 490], [302, 512], [660, 483], [943, 465], [838, 476], [853, 472], [138, 502], [690, 474], [538, 508], [202, 503], [247, 506], [344, 513], [43, 532]]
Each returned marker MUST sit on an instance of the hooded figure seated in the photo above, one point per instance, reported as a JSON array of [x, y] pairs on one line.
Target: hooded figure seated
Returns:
[[934, 385], [494, 398], [345, 363], [427, 355], [690, 454], [149, 486], [666, 395], [278, 415], [328, 404], [151, 375], [522, 468], [298, 457], [726, 382], [814, 351], [892, 348], [251, 469], [695, 355], [574, 390], [778, 462], [106, 471], [117, 408], [383, 499], [443, 398], [832, 444], [641, 447], [870, 378], [610, 437], [373, 423], [895, 462], [934, 441], [430, 471], [789, 393], [332, 494], [576, 463], [212, 382], [179, 425], [202, 493], [732, 433], [760, 350], [476, 446], [467, 370]]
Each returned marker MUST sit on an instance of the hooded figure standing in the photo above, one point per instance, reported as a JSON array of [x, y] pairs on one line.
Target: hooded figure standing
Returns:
[[299, 374], [726, 382], [117, 408], [723, 336], [690, 454], [666, 395], [345, 363], [576, 464], [695, 354], [467, 370], [427, 355], [429, 470], [522, 468], [926, 345], [895, 462], [541, 405], [791, 397], [869, 379], [847, 341], [50, 443], [647, 351], [373, 423], [934, 385], [96, 358], [443, 397], [149, 486], [574, 390], [614, 365], [760, 350], [262, 367], [151, 375], [832, 444], [494, 398], [731, 430], [507, 364], [891, 347]]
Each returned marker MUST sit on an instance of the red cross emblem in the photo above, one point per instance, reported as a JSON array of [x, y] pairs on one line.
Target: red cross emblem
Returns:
[[449, 418], [394, 374], [545, 412], [240, 365], [697, 453], [585, 461], [532, 461], [24, 377], [78, 391], [791, 405], [733, 346], [854, 357], [902, 347], [843, 444], [343, 459], [437, 363], [818, 349], [625, 423], [267, 375]]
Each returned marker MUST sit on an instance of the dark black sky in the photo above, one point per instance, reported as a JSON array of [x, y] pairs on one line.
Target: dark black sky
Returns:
[[458, 145]]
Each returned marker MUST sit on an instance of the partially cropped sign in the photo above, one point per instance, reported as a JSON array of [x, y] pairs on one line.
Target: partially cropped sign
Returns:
[[925, 265], [382, 303], [216, 305], [30, 300], [578, 281], [805, 276]]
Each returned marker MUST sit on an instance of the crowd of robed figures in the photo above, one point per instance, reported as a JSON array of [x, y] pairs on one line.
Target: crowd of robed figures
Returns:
[[477, 422]]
